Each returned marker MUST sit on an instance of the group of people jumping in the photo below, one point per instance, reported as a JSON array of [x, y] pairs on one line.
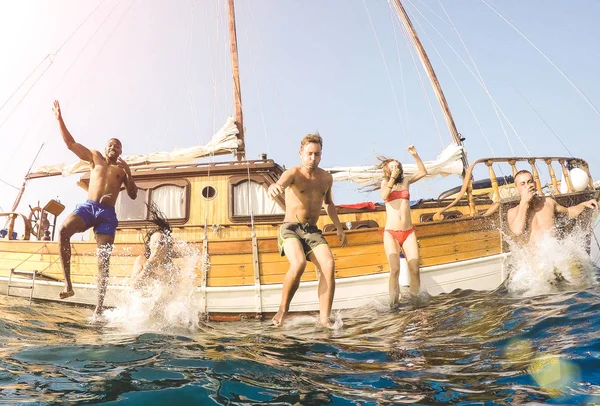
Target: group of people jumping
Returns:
[[306, 189]]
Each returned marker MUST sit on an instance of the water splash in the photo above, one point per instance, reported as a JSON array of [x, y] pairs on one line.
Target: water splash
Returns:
[[552, 265], [301, 322], [164, 304]]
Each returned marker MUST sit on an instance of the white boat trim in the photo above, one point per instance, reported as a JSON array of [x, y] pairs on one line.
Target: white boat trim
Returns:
[[486, 273]]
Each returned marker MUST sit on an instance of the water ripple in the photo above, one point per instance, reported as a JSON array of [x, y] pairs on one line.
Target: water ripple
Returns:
[[465, 347]]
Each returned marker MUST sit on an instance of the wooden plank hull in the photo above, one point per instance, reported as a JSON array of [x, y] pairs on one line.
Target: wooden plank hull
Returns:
[[464, 253], [485, 273]]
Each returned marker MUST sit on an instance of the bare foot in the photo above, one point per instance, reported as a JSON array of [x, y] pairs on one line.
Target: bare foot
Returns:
[[68, 292], [98, 316], [278, 318], [325, 322], [420, 300]]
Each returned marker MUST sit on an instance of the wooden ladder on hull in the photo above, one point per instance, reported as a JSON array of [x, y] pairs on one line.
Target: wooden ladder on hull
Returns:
[[21, 282]]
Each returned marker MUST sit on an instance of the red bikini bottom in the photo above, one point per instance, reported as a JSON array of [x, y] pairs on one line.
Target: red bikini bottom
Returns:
[[401, 235]]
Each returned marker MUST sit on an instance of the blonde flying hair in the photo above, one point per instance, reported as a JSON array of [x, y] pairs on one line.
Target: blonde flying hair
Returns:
[[383, 166]]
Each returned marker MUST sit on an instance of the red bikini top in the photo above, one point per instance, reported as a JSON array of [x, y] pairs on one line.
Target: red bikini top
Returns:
[[398, 194]]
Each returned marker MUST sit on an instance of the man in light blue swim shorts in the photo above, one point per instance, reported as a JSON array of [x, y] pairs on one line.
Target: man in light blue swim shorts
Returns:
[[107, 173]]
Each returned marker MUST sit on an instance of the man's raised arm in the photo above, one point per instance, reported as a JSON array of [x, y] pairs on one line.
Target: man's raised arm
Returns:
[[82, 152], [575, 211], [517, 218]]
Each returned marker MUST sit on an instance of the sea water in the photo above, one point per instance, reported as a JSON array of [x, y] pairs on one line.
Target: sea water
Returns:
[[517, 345]]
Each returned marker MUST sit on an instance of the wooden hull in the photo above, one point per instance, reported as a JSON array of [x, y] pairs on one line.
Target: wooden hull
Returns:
[[457, 254], [486, 273]]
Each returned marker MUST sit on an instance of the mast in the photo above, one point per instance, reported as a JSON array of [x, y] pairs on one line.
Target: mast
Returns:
[[237, 91], [403, 16], [19, 196]]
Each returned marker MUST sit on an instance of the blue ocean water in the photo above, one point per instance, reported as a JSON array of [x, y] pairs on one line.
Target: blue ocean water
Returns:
[[464, 348]]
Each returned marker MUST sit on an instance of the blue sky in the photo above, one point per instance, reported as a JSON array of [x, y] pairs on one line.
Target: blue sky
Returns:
[[156, 75]]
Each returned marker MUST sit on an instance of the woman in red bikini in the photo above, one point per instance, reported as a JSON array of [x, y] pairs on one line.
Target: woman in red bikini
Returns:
[[399, 230]]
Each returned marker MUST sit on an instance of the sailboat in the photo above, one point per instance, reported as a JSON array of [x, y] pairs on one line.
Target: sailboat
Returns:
[[222, 209]]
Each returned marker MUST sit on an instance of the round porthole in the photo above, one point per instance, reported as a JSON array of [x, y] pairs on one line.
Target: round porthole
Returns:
[[209, 192]]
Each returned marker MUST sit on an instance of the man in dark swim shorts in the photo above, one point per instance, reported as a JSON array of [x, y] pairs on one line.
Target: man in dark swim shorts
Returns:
[[309, 236], [307, 189], [100, 216], [107, 174]]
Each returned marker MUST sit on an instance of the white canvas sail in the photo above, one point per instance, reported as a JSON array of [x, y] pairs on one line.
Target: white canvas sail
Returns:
[[224, 140], [448, 162]]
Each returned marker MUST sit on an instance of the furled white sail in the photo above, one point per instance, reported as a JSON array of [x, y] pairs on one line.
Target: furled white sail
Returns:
[[448, 162], [224, 140]]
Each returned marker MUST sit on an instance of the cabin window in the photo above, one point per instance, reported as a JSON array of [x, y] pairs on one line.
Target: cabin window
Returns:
[[251, 197], [128, 209], [171, 198], [209, 192]]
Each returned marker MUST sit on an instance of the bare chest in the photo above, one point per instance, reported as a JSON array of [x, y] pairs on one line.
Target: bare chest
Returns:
[[541, 214], [109, 173], [310, 186]]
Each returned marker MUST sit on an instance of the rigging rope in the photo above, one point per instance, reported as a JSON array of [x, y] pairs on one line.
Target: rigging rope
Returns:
[[215, 107], [406, 119], [23, 138], [544, 121], [165, 109], [435, 14], [32, 254], [494, 103], [479, 75], [223, 57], [214, 79], [387, 70], [206, 206], [458, 87], [24, 81], [260, 106], [87, 43], [250, 210], [219, 107], [78, 27], [25, 95], [206, 257], [466, 100], [187, 60], [563, 74], [421, 81], [270, 78], [51, 55], [88, 70], [8, 184]]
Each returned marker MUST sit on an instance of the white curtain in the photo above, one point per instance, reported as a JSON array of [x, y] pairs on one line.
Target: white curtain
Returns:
[[128, 209], [252, 197], [170, 200]]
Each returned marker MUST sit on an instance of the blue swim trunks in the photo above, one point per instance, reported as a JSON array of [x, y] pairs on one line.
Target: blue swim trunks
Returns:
[[100, 216]]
